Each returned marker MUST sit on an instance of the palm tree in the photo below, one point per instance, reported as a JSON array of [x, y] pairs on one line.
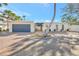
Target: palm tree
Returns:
[[10, 16], [46, 32], [17, 18], [24, 17]]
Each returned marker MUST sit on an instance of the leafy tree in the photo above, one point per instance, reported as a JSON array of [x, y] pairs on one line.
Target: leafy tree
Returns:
[[70, 14]]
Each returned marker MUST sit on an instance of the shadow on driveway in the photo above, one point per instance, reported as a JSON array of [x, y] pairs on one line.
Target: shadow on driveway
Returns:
[[58, 45], [2, 34]]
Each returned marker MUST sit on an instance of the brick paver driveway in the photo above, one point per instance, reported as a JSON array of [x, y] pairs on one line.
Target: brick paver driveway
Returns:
[[23, 44]]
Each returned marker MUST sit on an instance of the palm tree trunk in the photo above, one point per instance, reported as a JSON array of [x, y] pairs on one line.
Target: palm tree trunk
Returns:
[[46, 32]]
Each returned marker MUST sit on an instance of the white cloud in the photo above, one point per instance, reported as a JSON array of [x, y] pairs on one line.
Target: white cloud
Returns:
[[47, 20], [41, 20], [55, 20]]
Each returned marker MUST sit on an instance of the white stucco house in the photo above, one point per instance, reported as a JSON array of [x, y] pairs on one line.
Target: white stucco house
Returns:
[[30, 26], [56, 26], [3, 26], [74, 28], [61, 26]]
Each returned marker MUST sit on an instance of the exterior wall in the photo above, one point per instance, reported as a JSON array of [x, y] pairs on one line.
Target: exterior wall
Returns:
[[45, 26], [57, 26], [38, 28], [66, 26], [3, 25], [74, 28], [22, 22], [32, 27], [53, 27]]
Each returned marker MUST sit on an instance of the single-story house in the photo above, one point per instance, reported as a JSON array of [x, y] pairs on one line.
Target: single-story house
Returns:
[[21, 26], [56, 26], [30, 26]]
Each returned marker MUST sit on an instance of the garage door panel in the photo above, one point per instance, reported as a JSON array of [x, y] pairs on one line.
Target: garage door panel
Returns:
[[21, 27]]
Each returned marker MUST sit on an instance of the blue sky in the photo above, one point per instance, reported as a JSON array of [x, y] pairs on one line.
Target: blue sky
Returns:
[[37, 12]]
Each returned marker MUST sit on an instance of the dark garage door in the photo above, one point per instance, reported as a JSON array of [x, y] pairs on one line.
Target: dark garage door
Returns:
[[21, 28]]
